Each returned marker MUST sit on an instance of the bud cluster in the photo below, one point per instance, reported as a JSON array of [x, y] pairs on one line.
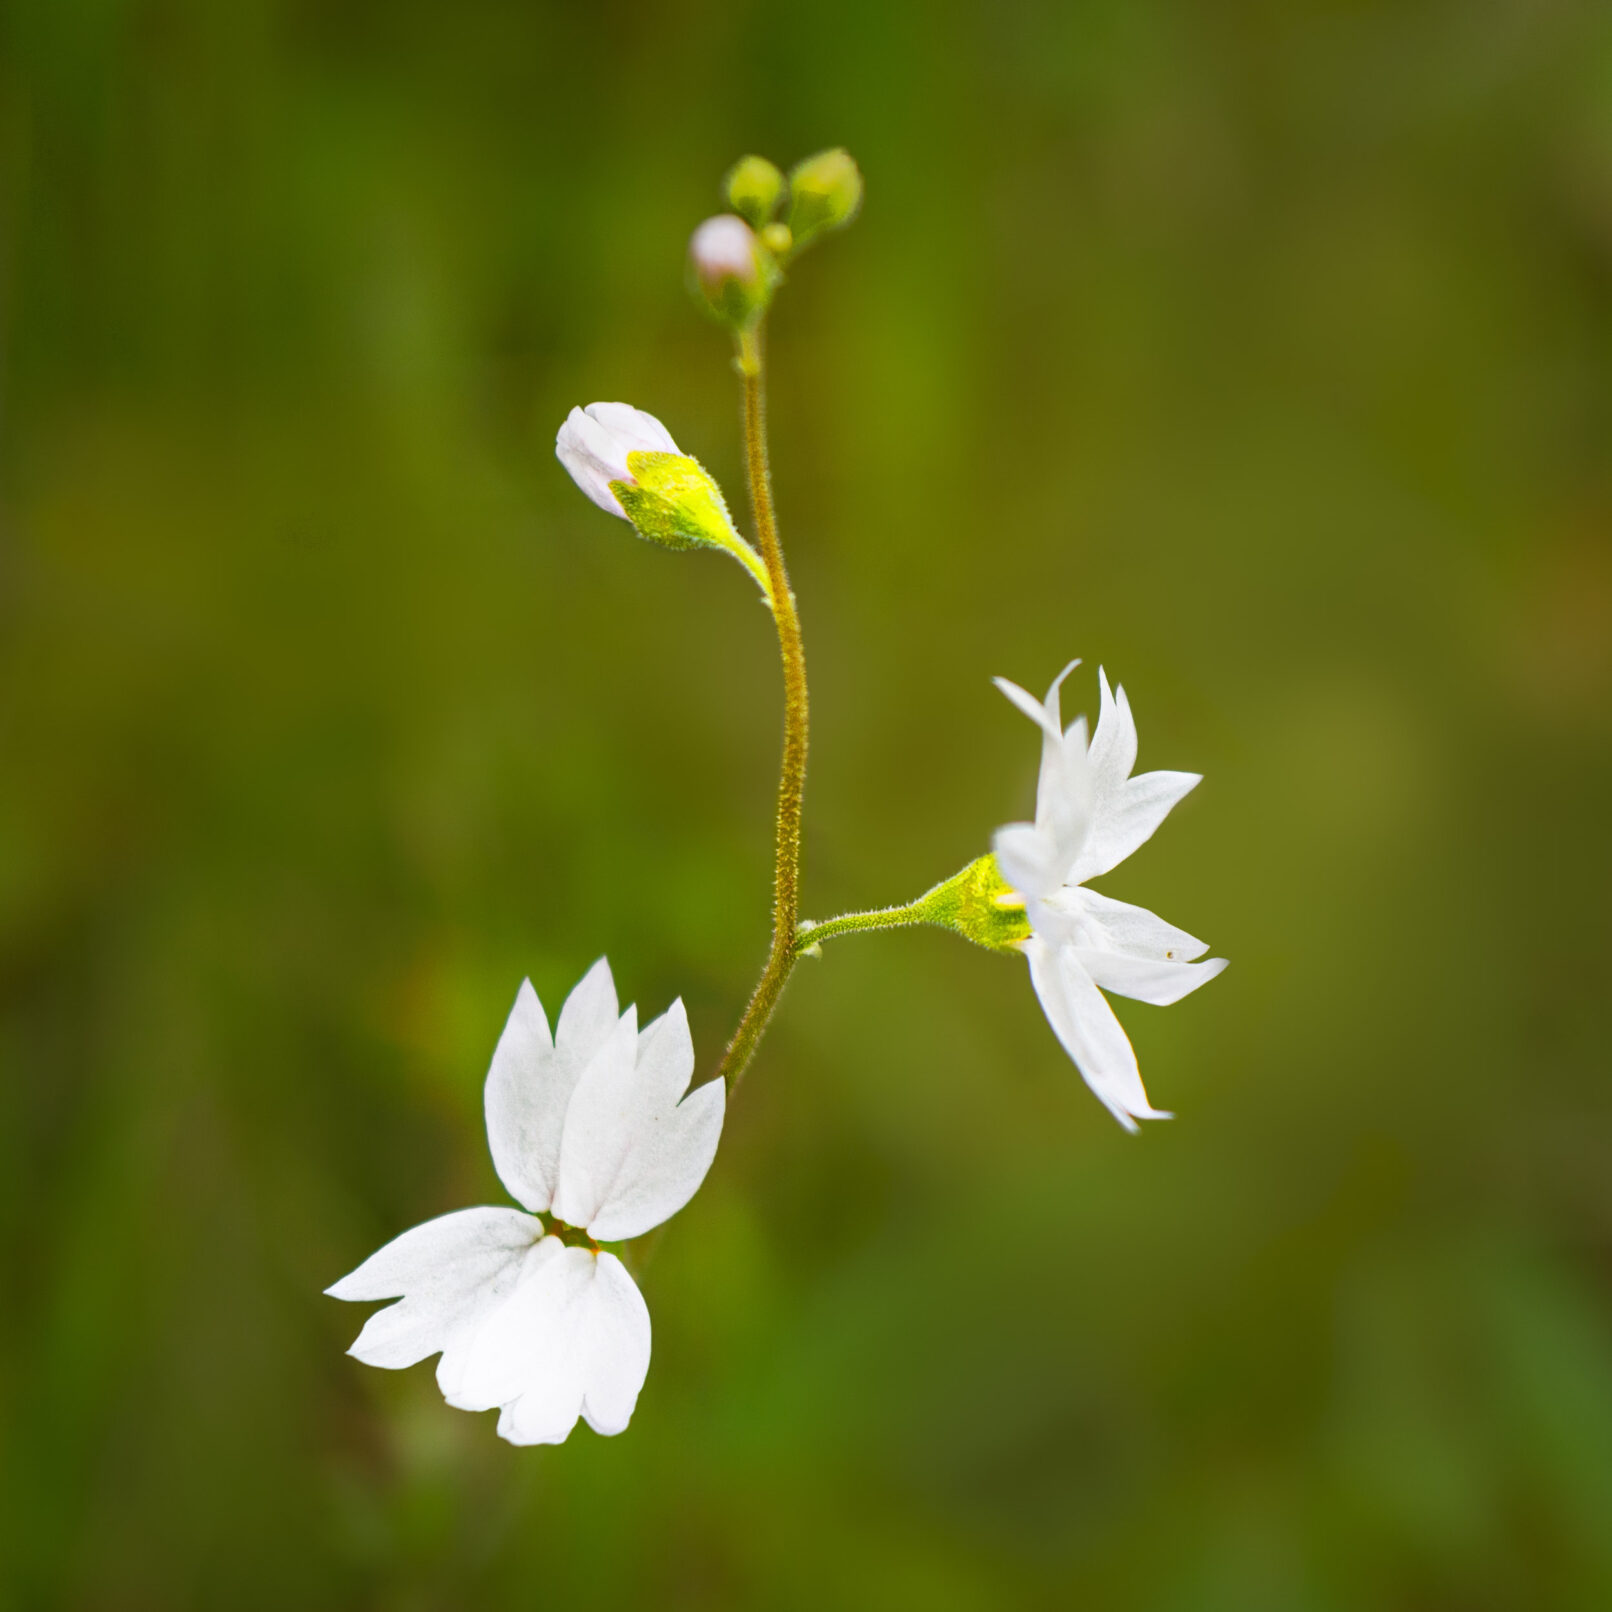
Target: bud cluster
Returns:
[[736, 259]]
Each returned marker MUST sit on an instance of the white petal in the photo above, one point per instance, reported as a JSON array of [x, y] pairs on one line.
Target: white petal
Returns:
[[633, 1155], [528, 1086], [1027, 857], [594, 458], [531, 1080], [1064, 789], [1030, 705], [1118, 926], [494, 1363], [618, 1347], [1122, 822], [573, 1340], [1145, 979], [1051, 702], [1113, 745], [589, 1015], [448, 1272], [636, 431], [1064, 794], [453, 1365], [1090, 1033]]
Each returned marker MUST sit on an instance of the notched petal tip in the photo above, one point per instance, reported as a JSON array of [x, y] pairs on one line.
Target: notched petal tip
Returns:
[[1029, 705], [1057, 682]]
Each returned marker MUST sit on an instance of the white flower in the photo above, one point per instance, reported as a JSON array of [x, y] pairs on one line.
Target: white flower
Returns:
[[591, 1128], [1090, 815], [594, 442]]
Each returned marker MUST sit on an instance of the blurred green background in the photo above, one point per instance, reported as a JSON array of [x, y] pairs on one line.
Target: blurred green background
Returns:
[[1257, 351]]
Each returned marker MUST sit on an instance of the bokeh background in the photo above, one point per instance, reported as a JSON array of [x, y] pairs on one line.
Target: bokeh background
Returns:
[[1257, 351]]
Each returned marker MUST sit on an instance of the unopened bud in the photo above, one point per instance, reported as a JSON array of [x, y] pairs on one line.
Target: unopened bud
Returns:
[[730, 271], [626, 461], [753, 187], [824, 193], [777, 239]]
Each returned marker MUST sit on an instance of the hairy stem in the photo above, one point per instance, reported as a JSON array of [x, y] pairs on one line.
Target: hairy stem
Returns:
[[808, 935], [781, 955]]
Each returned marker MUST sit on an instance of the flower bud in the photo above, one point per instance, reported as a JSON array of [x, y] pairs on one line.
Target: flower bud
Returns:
[[626, 461], [824, 193], [777, 240], [730, 271], [753, 187]]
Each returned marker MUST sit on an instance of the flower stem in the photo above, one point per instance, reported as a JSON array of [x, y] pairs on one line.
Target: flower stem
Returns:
[[808, 934], [782, 954], [975, 902]]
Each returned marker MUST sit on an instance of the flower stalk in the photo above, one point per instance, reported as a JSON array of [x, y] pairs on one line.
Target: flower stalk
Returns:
[[782, 953], [975, 902]]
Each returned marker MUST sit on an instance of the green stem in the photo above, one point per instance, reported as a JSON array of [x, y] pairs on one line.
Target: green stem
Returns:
[[975, 902], [809, 934], [781, 955]]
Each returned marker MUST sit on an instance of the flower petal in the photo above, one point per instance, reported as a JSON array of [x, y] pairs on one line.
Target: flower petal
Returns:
[[1118, 926], [494, 1362], [594, 459], [573, 1339], [1143, 978], [1089, 1032], [531, 1080], [527, 1089], [1027, 858], [611, 1344], [632, 1154], [1051, 702], [1064, 794], [1123, 822], [1113, 745], [589, 1015], [1031, 706], [454, 1364], [448, 1272], [636, 431]]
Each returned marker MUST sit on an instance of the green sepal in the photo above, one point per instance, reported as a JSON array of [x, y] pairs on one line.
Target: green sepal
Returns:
[[978, 904], [674, 501]]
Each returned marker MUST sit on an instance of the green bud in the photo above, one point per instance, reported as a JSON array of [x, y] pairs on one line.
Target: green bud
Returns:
[[778, 240], [730, 271], [753, 187], [673, 500], [824, 193], [978, 904]]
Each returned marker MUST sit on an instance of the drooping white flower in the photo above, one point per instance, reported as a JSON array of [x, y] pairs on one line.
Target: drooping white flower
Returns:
[[594, 442], [1090, 815], [590, 1128]]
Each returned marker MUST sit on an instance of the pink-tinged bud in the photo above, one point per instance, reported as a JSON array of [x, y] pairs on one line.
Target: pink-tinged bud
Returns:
[[594, 442], [730, 271]]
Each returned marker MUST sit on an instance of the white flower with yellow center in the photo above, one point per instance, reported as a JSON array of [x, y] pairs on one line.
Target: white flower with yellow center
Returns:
[[1090, 815], [591, 1129]]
